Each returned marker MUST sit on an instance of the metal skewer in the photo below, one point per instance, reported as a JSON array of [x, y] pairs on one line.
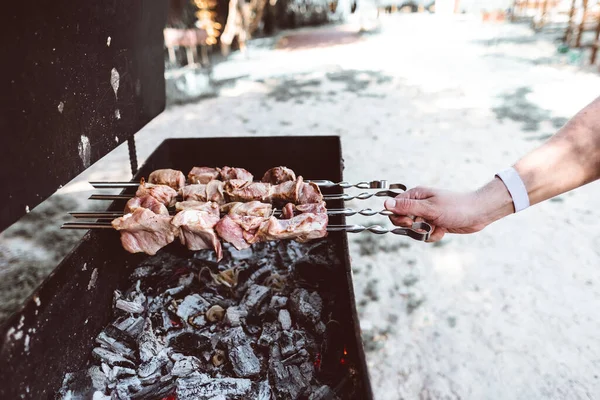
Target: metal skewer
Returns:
[[334, 211], [419, 231], [343, 196], [380, 184]]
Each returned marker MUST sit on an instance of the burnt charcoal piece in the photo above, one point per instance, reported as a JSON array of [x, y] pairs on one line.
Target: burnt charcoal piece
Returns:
[[323, 393], [201, 386], [305, 306], [99, 379], [110, 358], [158, 390], [234, 315], [150, 346], [185, 366], [269, 335], [129, 306], [256, 275], [289, 382], [264, 390], [127, 387], [298, 358], [285, 320], [133, 326], [241, 356], [152, 366], [291, 342], [115, 346], [192, 306], [190, 343], [278, 301], [254, 297]]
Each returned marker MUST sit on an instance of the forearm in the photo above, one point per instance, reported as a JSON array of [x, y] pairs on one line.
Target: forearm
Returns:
[[570, 159]]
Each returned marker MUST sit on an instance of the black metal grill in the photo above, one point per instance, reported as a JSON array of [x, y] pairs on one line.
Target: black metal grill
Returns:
[[54, 332]]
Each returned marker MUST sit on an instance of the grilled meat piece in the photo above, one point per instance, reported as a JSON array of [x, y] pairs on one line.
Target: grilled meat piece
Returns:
[[163, 193], [148, 202], [278, 175], [169, 177], [203, 175], [309, 193], [242, 191], [242, 221], [302, 228], [252, 208], [212, 191], [197, 230], [290, 209], [231, 232], [143, 231], [229, 173], [197, 205], [286, 192]]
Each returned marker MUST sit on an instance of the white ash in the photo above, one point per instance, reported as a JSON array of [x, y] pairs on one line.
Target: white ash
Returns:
[[192, 305], [285, 319]]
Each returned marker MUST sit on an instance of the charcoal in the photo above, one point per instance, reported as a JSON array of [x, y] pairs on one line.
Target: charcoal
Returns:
[[143, 271], [186, 280], [252, 279], [291, 342], [288, 381], [185, 366], [254, 297], [305, 306], [192, 306], [111, 358], [285, 320], [297, 358], [117, 372], [278, 301], [241, 356], [120, 336], [176, 290], [98, 395], [151, 379], [190, 343], [151, 366], [307, 368], [115, 346], [324, 392], [133, 326], [233, 315], [199, 386], [150, 346], [320, 328], [98, 377], [269, 335], [125, 388], [129, 306], [157, 390], [264, 390]]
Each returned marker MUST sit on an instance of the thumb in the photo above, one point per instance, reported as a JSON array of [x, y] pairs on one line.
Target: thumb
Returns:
[[407, 206]]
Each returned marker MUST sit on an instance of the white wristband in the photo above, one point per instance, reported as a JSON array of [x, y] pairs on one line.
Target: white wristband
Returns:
[[511, 179]]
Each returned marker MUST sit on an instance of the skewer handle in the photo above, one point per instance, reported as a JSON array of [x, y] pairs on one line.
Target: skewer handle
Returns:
[[381, 184], [360, 196], [86, 225], [413, 232]]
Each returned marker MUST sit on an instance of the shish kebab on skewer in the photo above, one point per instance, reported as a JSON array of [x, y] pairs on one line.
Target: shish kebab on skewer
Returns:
[[147, 226], [277, 175]]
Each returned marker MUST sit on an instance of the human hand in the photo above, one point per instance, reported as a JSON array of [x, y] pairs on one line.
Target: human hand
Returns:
[[450, 212]]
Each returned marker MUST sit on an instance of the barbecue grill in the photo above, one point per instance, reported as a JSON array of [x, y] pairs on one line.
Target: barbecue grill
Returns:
[[54, 332]]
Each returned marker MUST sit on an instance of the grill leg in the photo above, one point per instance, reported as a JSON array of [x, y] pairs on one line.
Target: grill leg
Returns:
[[132, 155]]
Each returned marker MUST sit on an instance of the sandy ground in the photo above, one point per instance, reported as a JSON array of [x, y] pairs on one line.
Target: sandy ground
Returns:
[[508, 313]]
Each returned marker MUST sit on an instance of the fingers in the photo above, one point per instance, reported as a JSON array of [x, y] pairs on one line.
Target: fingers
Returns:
[[437, 234], [399, 220]]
